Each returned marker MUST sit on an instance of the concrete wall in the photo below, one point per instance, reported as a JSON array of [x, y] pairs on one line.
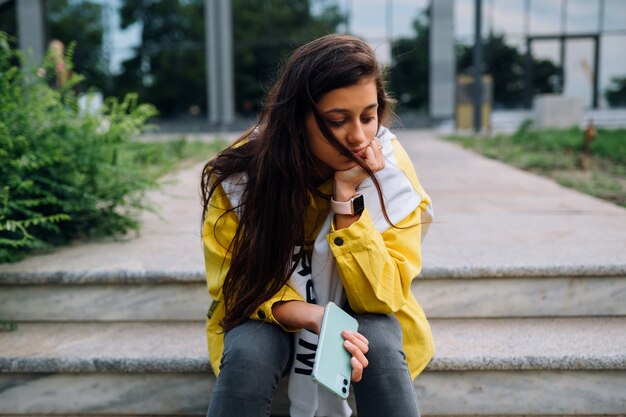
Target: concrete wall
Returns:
[[557, 111], [442, 60], [31, 29]]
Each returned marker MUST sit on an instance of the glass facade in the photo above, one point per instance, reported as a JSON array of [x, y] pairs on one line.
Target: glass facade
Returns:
[[158, 49]]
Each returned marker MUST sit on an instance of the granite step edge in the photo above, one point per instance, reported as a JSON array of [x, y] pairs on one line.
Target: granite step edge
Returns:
[[193, 365], [12, 276], [462, 345]]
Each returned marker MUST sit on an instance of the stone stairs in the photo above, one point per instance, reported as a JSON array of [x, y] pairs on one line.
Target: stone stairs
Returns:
[[509, 342], [524, 284]]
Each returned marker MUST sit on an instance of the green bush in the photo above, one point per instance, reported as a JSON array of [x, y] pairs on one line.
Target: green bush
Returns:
[[60, 174]]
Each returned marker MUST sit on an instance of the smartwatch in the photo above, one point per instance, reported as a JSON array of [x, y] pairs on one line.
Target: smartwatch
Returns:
[[353, 207]]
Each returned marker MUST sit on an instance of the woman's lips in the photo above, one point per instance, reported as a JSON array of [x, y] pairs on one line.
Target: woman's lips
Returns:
[[360, 152]]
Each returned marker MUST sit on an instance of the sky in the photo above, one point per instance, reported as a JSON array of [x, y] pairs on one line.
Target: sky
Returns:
[[377, 21]]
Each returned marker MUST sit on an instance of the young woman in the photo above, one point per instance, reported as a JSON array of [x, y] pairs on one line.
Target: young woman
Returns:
[[318, 202]]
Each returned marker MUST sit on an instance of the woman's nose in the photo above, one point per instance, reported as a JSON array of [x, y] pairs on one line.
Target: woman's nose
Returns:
[[356, 135]]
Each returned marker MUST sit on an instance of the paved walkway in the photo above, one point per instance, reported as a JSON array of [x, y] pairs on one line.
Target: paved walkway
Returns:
[[490, 218]]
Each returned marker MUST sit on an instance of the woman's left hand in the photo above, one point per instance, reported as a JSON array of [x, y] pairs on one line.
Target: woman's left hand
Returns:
[[357, 345]]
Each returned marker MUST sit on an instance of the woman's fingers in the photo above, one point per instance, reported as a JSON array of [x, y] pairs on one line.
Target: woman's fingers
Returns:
[[370, 156], [357, 345], [357, 339], [374, 156], [357, 370], [362, 338], [357, 353], [358, 361], [376, 146]]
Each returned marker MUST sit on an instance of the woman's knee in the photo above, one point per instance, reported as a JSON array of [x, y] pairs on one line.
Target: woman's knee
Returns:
[[257, 350], [386, 387], [385, 340]]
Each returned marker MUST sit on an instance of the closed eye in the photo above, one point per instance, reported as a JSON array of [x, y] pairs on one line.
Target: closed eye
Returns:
[[336, 123]]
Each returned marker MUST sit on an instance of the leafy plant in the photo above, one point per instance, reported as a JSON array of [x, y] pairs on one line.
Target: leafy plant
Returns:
[[60, 174]]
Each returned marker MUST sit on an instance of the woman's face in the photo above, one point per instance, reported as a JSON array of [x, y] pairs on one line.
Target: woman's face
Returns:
[[351, 114]]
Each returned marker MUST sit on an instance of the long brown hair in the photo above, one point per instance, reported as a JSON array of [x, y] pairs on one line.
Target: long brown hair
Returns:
[[276, 159]]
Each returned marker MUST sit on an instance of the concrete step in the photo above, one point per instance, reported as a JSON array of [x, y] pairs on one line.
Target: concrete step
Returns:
[[444, 293], [563, 366]]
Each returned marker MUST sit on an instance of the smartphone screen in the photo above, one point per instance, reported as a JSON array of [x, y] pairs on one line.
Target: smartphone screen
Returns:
[[332, 368]]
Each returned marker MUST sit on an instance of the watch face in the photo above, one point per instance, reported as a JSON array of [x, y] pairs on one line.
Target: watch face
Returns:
[[358, 204]]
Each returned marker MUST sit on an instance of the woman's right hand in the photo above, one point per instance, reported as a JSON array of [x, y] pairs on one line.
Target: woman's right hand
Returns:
[[302, 315], [357, 345]]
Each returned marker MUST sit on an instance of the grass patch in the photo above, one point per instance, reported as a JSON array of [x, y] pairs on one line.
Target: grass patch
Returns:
[[558, 154], [158, 158]]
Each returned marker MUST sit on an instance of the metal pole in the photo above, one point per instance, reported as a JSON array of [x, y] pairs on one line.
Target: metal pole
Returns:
[[219, 55], [528, 74], [389, 20], [389, 28], [526, 18], [601, 17], [562, 62], [441, 73], [226, 61], [527, 57], [562, 46], [596, 63], [212, 68], [478, 63], [596, 70], [491, 7]]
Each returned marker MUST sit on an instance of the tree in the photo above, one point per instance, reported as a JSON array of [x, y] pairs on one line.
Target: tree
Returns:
[[616, 93], [8, 19], [265, 32], [409, 72], [506, 65], [168, 68]]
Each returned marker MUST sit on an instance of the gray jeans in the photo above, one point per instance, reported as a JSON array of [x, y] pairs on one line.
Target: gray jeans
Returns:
[[256, 355]]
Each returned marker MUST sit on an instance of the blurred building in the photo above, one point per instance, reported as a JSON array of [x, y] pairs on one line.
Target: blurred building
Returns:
[[207, 63]]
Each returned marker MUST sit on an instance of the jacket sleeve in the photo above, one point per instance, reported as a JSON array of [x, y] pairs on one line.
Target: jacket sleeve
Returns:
[[376, 269], [218, 231]]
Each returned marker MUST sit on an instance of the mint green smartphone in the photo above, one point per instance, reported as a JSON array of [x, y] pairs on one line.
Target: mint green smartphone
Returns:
[[332, 368]]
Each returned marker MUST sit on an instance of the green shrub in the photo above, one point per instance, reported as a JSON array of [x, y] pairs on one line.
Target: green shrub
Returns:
[[60, 174]]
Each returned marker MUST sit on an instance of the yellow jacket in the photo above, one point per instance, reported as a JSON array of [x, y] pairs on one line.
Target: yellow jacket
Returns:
[[376, 269]]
